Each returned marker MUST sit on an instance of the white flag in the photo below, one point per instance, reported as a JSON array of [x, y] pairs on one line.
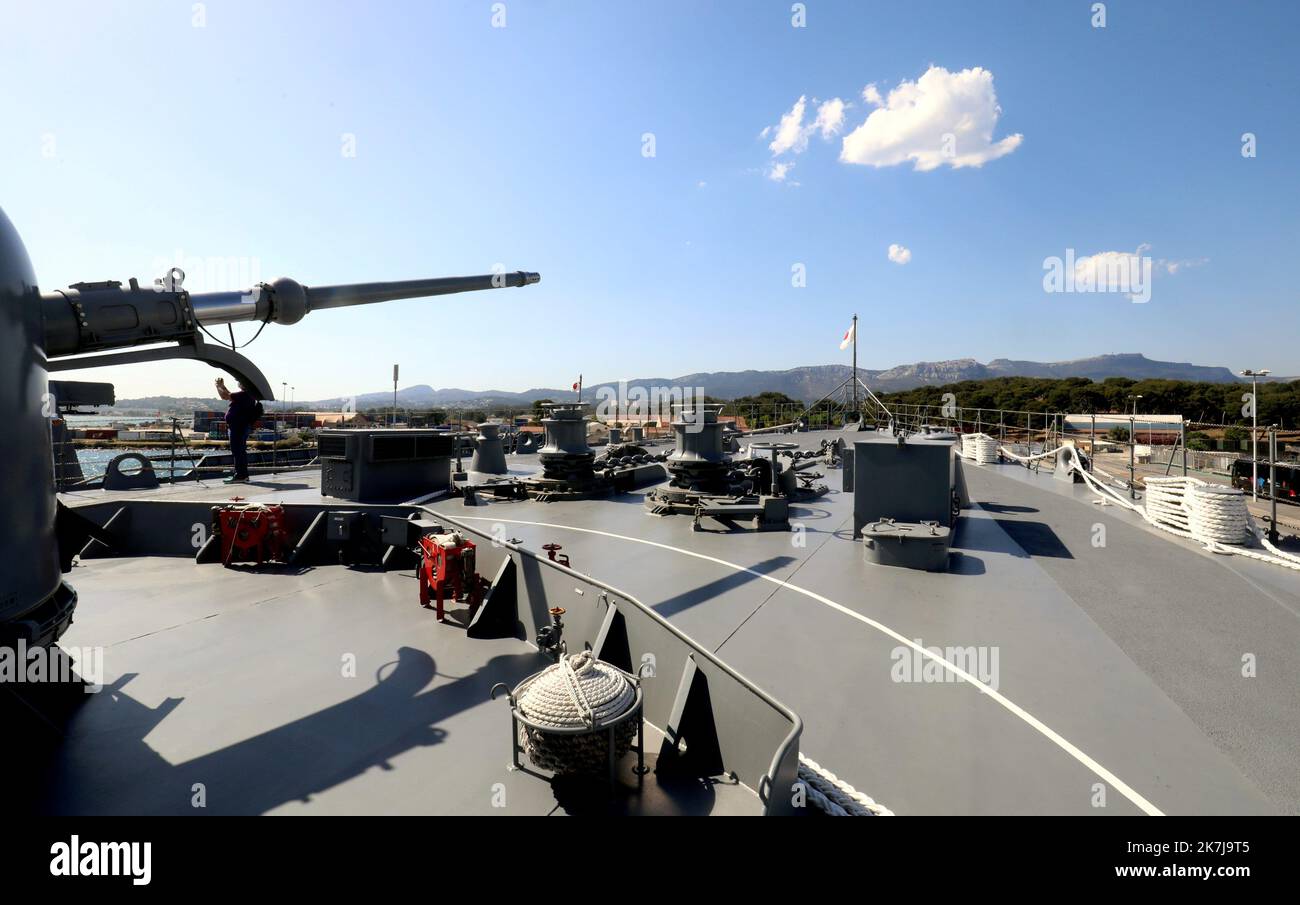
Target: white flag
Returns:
[[849, 335]]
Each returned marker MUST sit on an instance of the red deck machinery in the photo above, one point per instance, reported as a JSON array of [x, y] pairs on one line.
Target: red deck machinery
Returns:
[[251, 532], [448, 572]]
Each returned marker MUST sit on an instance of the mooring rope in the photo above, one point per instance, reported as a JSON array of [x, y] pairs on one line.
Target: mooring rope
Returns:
[[979, 448], [1190, 508], [578, 691], [835, 796]]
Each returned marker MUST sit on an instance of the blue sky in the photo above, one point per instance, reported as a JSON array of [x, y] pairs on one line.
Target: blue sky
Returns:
[[134, 137]]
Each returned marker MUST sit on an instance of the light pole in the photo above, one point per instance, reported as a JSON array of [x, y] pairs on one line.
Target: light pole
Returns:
[[1132, 428], [1254, 427], [1132, 448]]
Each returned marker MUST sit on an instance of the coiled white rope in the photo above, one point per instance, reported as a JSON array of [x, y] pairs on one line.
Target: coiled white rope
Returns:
[[1223, 511], [979, 448], [578, 691], [835, 796], [986, 450], [1167, 502], [1219, 514]]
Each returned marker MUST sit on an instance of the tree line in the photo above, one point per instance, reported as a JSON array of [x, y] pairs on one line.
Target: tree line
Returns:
[[1207, 403]]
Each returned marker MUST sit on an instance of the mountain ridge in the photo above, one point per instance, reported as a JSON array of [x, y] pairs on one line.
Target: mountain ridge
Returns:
[[807, 382]]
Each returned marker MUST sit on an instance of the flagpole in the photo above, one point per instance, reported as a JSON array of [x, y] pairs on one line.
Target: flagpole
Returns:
[[855, 365]]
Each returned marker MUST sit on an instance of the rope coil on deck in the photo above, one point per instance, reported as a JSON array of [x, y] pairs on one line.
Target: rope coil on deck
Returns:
[[979, 448], [576, 694], [1219, 514], [835, 796], [1194, 509]]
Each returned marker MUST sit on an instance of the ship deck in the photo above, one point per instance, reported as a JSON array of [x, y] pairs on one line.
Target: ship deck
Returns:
[[1115, 681], [324, 691]]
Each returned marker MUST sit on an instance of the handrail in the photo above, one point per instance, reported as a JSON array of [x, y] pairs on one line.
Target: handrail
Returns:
[[797, 723]]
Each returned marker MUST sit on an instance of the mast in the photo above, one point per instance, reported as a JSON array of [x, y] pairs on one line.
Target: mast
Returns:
[[855, 365]]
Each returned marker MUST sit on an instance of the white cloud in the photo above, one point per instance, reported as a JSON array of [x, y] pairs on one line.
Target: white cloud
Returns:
[[778, 170], [900, 254], [941, 118], [1109, 271], [789, 133], [871, 95], [830, 117], [1103, 268], [1174, 267]]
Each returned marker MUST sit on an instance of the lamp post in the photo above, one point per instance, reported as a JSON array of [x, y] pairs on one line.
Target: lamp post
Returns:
[[1254, 427], [1132, 429], [1132, 448]]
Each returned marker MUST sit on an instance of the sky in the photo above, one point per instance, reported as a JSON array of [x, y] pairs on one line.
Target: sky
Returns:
[[703, 186]]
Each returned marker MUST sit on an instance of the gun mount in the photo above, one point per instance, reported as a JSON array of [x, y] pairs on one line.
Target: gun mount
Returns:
[[92, 325]]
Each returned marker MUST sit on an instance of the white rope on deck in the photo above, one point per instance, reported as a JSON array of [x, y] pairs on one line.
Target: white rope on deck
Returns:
[[835, 796], [578, 691], [1190, 508], [1018, 458], [979, 448]]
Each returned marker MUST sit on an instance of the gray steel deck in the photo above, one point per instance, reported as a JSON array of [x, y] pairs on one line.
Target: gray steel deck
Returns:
[[235, 680], [1118, 666]]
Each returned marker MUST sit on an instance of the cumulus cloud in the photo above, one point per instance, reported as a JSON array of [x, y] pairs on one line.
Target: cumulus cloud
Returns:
[[779, 170], [791, 134], [900, 254], [943, 118], [830, 117], [1110, 271]]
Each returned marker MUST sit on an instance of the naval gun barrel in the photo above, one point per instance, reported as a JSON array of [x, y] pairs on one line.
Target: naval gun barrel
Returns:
[[95, 317], [285, 301]]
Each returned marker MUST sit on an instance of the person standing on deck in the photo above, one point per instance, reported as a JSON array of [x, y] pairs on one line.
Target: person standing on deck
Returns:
[[241, 415]]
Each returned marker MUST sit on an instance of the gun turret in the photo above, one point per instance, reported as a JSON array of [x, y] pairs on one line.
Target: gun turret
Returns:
[[54, 331], [99, 317]]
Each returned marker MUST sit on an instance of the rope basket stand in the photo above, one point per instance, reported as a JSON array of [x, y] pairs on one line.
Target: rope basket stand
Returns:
[[579, 716]]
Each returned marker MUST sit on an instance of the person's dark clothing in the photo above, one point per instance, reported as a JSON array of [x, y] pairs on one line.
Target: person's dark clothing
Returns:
[[239, 421]]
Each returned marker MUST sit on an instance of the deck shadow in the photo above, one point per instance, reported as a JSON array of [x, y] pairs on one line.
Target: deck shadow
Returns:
[[697, 595]]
